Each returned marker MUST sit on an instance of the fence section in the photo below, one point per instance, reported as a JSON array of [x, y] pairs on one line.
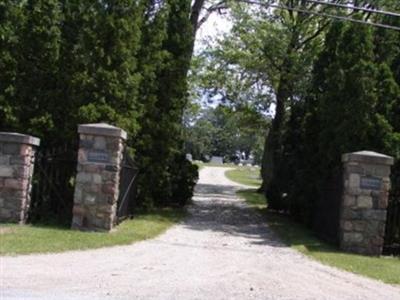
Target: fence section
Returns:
[[392, 236], [127, 188], [53, 184], [327, 209]]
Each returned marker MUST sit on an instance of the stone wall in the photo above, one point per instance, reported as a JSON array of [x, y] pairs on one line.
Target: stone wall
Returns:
[[97, 182], [17, 157], [365, 201]]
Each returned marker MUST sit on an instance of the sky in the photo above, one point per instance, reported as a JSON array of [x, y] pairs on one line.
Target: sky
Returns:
[[215, 26]]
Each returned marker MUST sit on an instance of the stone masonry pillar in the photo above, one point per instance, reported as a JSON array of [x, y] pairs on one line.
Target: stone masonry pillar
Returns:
[[17, 159], [97, 182], [364, 203]]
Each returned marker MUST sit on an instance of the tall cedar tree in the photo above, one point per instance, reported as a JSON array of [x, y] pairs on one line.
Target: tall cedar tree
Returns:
[[12, 20], [166, 175], [110, 41], [36, 85], [152, 60]]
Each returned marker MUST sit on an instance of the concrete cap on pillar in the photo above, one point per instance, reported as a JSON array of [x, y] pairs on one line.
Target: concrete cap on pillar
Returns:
[[13, 137], [368, 157], [102, 129]]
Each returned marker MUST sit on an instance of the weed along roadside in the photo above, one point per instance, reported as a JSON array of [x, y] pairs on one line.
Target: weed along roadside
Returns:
[[295, 235]]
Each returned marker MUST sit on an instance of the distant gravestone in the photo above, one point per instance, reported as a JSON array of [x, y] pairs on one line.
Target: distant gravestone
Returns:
[[219, 160]]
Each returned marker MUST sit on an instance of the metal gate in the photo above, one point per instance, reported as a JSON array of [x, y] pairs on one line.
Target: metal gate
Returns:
[[327, 209], [53, 184], [392, 235], [127, 188]]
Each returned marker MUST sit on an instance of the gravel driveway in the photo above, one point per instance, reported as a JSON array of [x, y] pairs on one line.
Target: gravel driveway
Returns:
[[223, 250]]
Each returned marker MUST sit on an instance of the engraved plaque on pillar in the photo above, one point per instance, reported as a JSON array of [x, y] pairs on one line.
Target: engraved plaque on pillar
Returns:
[[98, 156], [370, 183]]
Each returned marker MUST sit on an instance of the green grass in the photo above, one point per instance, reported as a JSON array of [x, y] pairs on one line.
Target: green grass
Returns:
[[386, 269], [245, 175], [201, 164], [17, 239]]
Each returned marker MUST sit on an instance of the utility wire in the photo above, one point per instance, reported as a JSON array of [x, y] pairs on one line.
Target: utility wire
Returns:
[[347, 6], [321, 14]]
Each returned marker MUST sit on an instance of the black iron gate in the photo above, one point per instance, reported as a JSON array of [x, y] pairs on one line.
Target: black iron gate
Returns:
[[327, 209], [53, 184], [392, 235], [127, 188]]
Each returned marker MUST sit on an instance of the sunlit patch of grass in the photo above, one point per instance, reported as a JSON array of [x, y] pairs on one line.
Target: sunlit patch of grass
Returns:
[[201, 164], [17, 239], [245, 175]]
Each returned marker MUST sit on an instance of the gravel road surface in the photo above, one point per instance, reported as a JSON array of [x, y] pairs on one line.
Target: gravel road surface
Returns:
[[223, 250]]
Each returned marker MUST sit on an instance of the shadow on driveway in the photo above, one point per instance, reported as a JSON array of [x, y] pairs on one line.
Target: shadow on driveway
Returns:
[[217, 208]]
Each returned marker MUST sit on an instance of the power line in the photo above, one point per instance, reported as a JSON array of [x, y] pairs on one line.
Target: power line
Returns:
[[347, 6], [321, 14]]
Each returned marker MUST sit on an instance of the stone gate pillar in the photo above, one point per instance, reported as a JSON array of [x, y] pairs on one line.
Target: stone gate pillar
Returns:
[[364, 203], [17, 159], [97, 182]]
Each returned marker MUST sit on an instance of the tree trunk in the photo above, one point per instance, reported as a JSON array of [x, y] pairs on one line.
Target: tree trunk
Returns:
[[273, 141], [272, 144], [195, 14]]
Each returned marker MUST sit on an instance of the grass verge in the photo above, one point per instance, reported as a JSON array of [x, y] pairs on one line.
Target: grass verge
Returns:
[[245, 175], [17, 239], [295, 235], [201, 164]]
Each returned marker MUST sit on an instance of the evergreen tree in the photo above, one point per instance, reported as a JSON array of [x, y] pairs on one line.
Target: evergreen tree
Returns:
[[36, 85], [12, 21], [163, 158], [308, 159], [111, 41], [349, 108], [150, 149]]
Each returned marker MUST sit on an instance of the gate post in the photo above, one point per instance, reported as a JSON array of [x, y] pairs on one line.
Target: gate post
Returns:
[[97, 182], [17, 159], [365, 201]]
